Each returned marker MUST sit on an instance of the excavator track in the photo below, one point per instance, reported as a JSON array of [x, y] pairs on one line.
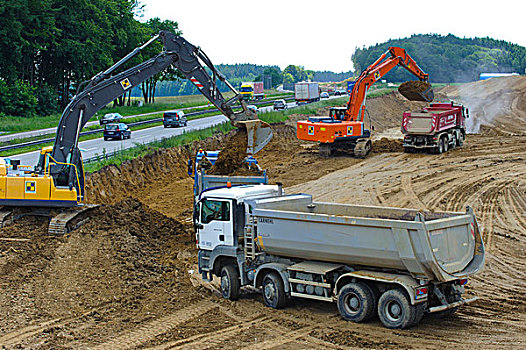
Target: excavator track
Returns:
[[5, 217], [59, 223]]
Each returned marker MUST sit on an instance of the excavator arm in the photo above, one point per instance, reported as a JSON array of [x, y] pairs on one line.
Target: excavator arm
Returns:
[[107, 86], [393, 57]]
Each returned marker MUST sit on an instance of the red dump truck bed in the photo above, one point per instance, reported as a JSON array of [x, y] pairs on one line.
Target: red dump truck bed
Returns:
[[439, 127]]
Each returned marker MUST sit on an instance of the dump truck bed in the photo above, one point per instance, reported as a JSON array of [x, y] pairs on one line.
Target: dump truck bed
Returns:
[[433, 246]]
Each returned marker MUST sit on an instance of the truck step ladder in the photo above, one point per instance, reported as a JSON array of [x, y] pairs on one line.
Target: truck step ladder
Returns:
[[249, 239]]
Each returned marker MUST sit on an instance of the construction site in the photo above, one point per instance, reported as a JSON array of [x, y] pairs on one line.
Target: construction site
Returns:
[[127, 278]]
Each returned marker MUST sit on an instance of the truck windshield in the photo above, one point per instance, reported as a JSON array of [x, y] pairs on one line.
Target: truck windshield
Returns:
[[214, 210], [246, 89]]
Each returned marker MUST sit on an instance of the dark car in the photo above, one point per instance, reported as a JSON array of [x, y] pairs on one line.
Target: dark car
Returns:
[[175, 118], [280, 104], [110, 118], [119, 131], [340, 93]]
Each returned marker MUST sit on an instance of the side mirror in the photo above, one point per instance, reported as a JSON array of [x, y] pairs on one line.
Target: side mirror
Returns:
[[199, 226]]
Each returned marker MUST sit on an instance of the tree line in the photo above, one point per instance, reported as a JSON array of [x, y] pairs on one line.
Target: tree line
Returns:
[[49, 47], [236, 74], [448, 59]]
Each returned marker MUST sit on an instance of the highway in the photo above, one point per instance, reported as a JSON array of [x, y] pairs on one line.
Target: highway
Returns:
[[94, 147]]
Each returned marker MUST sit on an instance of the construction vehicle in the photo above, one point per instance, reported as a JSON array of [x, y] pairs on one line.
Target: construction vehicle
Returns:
[[57, 181], [397, 263], [252, 90], [438, 127], [345, 126]]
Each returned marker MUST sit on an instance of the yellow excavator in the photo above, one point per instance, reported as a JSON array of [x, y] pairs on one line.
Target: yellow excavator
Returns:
[[57, 181]]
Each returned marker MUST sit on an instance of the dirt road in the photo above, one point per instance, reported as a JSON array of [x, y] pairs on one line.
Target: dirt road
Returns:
[[126, 279]]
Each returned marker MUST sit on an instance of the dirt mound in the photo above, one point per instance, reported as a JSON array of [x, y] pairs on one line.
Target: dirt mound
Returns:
[[124, 258], [497, 102], [231, 160], [385, 145], [416, 91]]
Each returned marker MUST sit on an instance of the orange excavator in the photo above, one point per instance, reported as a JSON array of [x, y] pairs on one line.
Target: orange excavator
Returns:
[[345, 127]]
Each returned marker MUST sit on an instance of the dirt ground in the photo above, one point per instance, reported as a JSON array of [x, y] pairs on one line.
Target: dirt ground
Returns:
[[126, 279]]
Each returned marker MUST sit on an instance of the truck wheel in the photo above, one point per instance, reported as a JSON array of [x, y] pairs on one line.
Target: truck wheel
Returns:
[[356, 302], [445, 146], [230, 282], [394, 309], [460, 141], [453, 140], [440, 147], [274, 291]]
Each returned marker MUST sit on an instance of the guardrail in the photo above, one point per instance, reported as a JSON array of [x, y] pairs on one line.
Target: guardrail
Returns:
[[143, 122]]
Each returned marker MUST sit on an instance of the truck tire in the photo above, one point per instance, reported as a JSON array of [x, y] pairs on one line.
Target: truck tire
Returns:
[[460, 141], [274, 291], [356, 302], [453, 140], [445, 144], [395, 310], [230, 282]]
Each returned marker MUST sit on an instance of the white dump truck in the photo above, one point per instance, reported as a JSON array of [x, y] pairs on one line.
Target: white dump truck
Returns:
[[394, 263]]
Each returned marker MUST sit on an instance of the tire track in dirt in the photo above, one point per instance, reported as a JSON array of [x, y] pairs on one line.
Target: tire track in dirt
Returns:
[[150, 330]]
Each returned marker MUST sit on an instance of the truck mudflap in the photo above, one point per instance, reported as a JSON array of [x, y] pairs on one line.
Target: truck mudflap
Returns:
[[452, 305]]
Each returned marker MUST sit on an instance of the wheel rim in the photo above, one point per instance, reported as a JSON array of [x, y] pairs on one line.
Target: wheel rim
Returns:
[[270, 291], [225, 284], [352, 304], [393, 311]]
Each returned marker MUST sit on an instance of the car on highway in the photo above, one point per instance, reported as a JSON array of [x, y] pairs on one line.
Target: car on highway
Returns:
[[280, 104], [340, 92], [118, 131], [110, 118], [324, 95], [174, 118], [253, 108]]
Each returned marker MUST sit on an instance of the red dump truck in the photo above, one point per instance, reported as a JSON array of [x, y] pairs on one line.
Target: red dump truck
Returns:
[[437, 128]]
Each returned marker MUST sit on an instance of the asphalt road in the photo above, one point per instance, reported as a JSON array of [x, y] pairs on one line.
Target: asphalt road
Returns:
[[94, 147]]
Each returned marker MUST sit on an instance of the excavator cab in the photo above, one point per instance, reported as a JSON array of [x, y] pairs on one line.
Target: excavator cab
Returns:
[[337, 113]]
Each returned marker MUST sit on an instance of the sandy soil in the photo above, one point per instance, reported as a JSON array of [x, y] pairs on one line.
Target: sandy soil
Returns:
[[124, 280]]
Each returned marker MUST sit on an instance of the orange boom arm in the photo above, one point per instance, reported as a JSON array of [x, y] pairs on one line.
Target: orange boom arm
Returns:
[[395, 56]]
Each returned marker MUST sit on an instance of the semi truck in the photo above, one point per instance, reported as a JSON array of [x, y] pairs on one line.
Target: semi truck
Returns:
[[437, 128], [306, 92], [396, 263], [252, 90]]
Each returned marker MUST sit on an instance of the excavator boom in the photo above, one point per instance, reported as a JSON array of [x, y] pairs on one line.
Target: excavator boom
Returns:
[[344, 127]]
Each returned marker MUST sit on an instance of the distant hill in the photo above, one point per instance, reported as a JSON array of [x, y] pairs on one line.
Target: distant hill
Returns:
[[448, 59]]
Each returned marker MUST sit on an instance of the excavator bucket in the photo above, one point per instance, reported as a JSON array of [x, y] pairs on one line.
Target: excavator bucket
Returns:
[[417, 91], [259, 134]]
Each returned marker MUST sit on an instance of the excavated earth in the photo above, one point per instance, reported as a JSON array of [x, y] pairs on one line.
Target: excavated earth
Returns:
[[126, 279]]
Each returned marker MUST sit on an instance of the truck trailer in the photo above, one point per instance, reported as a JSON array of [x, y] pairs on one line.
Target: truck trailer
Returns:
[[437, 128], [252, 90], [306, 92], [396, 263]]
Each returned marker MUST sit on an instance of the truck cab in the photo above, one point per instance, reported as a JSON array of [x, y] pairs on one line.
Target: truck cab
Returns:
[[222, 214]]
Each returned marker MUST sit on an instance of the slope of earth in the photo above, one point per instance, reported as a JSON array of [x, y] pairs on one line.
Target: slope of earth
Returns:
[[496, 102]]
